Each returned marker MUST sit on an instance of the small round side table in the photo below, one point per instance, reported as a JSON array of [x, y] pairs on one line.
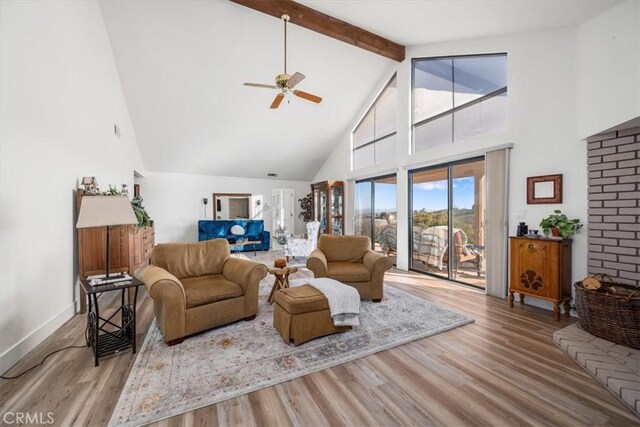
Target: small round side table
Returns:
[[281, 279]]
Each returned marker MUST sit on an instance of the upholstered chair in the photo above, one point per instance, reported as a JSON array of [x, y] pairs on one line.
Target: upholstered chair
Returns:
[[350, 260], [196, 286], [296, 246]]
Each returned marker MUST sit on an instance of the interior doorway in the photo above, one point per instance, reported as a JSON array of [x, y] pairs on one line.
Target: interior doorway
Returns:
[[282, 212]]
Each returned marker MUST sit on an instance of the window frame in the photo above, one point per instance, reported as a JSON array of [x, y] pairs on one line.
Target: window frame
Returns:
[[364, 116], [455, 109]]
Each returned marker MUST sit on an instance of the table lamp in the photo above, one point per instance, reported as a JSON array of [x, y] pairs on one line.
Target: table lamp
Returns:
[[105, 211]]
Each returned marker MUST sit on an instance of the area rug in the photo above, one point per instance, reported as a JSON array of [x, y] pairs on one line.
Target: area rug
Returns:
[[267, 258], [246, 356], [614, 366]]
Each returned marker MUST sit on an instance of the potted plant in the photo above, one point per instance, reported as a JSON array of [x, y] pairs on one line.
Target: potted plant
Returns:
[[305, 213], [559, 225], [144, 220]]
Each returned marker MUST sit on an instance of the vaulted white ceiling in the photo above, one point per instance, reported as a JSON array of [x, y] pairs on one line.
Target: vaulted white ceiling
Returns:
[[182, 65], [415, 22]]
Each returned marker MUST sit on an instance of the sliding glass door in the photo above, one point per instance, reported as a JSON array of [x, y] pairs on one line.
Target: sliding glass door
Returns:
[[430, 221], [362, 208], [375, 213], [447, 221]]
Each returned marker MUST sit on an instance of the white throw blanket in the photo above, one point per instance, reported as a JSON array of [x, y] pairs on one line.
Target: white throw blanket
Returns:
[[344, 301]]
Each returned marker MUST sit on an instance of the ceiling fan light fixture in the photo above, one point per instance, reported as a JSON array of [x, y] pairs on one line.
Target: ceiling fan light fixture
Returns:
[[286, 82]]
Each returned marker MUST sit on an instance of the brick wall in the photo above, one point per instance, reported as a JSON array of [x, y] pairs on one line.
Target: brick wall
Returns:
[[614, 205]]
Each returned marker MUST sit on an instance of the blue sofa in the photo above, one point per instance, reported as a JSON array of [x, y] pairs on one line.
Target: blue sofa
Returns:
[[253, 229]]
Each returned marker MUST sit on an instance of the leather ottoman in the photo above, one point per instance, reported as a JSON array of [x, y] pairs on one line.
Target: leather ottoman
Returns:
[[302, 313]]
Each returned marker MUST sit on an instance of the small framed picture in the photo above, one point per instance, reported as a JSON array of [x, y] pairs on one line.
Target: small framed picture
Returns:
[[544, 189]]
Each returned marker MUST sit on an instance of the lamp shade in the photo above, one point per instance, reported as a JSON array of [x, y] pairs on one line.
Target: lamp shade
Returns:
[[100, 211]]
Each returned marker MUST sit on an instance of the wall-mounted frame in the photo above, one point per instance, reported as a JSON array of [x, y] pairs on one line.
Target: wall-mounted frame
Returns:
[[544, 189], [232, 206]]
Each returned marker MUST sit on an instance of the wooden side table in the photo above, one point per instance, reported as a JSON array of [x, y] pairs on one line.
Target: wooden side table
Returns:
[[117, 337], [281, 280]]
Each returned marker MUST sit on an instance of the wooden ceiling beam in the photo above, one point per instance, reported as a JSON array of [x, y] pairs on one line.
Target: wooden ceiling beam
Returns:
[[329, 26]]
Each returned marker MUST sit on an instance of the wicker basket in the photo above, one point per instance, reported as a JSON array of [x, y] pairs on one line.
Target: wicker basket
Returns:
[[610, 316]]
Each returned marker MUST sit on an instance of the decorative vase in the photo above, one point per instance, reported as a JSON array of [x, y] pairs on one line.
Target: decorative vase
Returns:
[[555, 232]]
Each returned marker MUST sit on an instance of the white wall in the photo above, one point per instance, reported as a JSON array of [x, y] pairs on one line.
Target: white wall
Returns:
[[609, 69], [542, 127], [174, 200], [60, 97]]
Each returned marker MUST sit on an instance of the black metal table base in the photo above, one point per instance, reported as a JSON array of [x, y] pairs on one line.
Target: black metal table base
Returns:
[[120, 336]]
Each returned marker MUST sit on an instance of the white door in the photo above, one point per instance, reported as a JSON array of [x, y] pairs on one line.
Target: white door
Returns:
[[283, 211]]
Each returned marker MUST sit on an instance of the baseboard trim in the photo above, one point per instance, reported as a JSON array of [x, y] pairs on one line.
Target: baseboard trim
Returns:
[[14, 354]]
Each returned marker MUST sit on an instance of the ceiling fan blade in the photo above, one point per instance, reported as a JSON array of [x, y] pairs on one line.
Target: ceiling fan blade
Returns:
[[261, 85], [307, 96], [276, 102], [294, 80]]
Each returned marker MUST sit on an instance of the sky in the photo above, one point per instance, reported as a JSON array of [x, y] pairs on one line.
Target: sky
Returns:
[[428, 195], [432, 196]]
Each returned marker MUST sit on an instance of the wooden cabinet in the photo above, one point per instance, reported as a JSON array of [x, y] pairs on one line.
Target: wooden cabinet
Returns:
[[129, 249], [541, 268], [143, 241], [328, 206], [148, 242]]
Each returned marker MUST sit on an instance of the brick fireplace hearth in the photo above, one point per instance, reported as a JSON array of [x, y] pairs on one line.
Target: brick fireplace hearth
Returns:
[[614, 205]]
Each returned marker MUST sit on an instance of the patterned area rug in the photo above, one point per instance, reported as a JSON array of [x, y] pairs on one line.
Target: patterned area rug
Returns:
[[267, 258], [246, 356]]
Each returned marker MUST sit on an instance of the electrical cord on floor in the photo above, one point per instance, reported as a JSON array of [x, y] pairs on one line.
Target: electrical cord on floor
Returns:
[[45, 358]]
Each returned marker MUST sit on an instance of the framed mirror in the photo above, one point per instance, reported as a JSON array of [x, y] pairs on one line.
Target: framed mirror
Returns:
[[544, 189], [232, 205]]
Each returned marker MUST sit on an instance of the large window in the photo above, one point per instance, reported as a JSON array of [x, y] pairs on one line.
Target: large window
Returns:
[[374, 139], [458, 98]]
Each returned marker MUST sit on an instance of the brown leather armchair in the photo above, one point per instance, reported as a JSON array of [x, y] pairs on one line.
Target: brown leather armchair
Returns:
[[350, 260], [196, 286]]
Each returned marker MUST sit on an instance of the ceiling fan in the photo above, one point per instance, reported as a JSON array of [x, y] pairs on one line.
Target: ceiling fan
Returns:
[[285, 82]]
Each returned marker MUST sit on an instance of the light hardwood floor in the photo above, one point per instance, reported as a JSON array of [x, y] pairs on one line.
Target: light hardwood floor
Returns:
[[501, 370]]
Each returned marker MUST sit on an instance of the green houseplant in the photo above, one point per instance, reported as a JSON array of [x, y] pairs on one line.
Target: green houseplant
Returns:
[[144, 220], [305, 213], [143, 217], [559, 225]]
